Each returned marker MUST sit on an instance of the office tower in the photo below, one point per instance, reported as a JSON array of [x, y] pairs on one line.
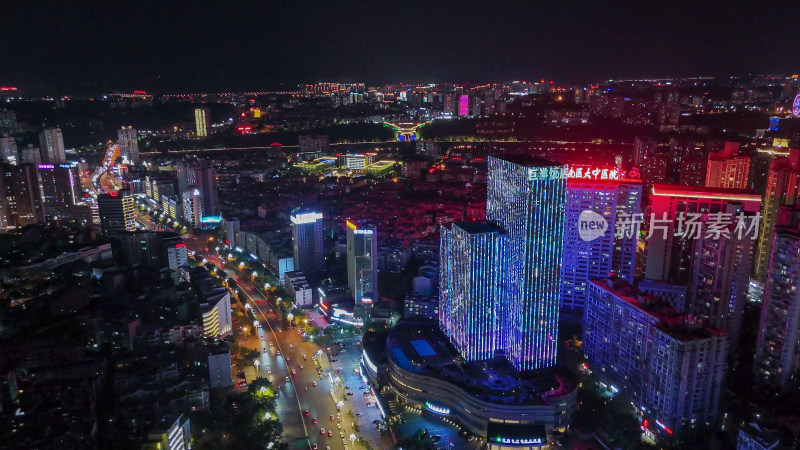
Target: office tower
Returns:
[[31, 155], [231, 227], [162, 187], [52, 144], [59, 190], [671, 366], [473, 258], [307, 243], [186, 176], [128, 142], [778, 346], [175, 256], [721, 276], [202, 122], [526, 198], [783, 188], [586, 259], [116, 212], [206, 177], [362, 261], [728, 169], [676, 213], [193, 206], [8, 150]]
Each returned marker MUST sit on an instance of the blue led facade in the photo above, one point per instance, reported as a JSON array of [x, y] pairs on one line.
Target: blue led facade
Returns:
[[526, 198], [473, 268]]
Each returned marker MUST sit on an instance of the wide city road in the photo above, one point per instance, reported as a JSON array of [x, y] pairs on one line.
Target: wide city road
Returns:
[[309, 412]]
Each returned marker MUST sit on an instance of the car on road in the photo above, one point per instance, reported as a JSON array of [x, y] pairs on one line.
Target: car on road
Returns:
[[305, 413], [347, 387], [262, 338], [331, 416], [359, 414], [349, 393], [314, 446], [314, 420], [305, 357], [322, 431], [294, 372], [287, 378], [301, 366], [314, 383], [330, 433], [279, 352], [271, 344]]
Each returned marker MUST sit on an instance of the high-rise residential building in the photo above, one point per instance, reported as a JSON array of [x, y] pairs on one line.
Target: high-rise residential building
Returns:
[[693, 170], [21, 196], [8, 150], [116, 212], [186, 175], [202, 122], [597, 203], [752, 437], [671, 366], [526, 198], [52, 144], [59, 189], [463, 105], [309, 257], [193, 206], [206, 178], [128, 142], [677, 214], [31, 155], [783, 188], [362, 261], [727, 168], [777, 363], [721, 272], [473, 258]]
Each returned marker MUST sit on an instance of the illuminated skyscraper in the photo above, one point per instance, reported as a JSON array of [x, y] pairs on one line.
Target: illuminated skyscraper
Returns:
[[778, 345], [307, 243], [783, 189], [52, 144], [31, 155], [59, 190], [671, 246], [128, 142], [193, 206], [25, 199], [728, 169], [669, 364], [206, 178], [597, 258], [116, 212], [202, 122], [362, 261], [526, 198], [473, 287]]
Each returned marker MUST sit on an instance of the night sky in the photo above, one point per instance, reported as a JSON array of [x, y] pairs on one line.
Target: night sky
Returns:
[[87, 46]]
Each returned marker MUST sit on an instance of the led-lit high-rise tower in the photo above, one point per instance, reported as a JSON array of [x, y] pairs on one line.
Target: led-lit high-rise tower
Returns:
[[473, 258], [362, 261], [526, 197], [307, 242], [202, 122]]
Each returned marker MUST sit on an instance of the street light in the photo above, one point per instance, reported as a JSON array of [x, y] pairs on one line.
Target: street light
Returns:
[[290, 316]]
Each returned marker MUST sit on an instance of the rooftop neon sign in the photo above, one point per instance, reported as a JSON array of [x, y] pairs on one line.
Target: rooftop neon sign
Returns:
[[304, 218]]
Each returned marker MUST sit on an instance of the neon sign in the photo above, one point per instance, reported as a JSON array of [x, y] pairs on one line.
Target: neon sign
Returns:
[[438, 409], [518, 441], [45, 166], [305, 218], [365, 232], [547, 173], [350, 225]]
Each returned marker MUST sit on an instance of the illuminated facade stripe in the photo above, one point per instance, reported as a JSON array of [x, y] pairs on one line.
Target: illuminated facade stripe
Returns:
[[530, 209], [472, 288]]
